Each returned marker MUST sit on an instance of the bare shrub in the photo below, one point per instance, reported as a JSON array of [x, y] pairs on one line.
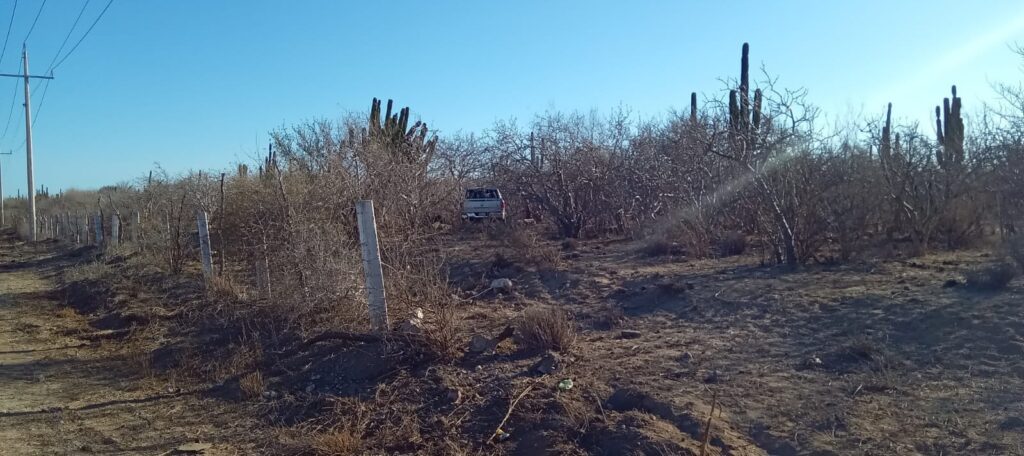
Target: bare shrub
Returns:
[[732, 243], [528, 248], [992, 277], [661, 247], [443, 335], [546, 328]]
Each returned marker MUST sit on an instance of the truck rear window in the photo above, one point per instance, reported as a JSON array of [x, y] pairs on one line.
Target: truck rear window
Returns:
[[481, 193]]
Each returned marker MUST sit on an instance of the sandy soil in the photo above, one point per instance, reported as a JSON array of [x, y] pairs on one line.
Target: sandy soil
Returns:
[[63, 393]]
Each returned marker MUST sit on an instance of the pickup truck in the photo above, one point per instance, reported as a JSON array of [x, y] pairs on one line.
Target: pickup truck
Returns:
[[483, 203]]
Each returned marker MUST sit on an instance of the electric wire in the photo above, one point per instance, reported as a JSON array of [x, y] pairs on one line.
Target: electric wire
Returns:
[[105, 8], [9, 26], [68, 36], [34, 21]]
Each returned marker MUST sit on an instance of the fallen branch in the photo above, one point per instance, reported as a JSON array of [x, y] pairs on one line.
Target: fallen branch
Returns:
[[329, 336], [105, 334], [511, 407]]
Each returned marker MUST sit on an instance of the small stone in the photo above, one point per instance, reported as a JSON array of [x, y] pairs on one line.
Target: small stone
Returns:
[[549, 363], [713, 377], [480, 344], [951, 283], [686, 358], [813, 362], [454, 395], [411, 326], [630, 334], [501, 285]]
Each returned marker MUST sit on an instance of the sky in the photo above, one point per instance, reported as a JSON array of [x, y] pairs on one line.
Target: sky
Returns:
[[198, 84]]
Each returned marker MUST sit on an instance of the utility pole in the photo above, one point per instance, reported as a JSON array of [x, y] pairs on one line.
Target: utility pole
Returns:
[[3, 218], [28, 140]]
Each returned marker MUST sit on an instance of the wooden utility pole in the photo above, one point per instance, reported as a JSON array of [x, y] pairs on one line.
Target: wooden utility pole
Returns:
[[28, 140]]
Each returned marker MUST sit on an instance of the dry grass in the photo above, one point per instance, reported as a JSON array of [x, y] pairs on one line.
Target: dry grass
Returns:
[[225, 290], [609, 316], [142, 360], [92, 270], [992, 277], [545, 328], [342, 441], [252, 385]]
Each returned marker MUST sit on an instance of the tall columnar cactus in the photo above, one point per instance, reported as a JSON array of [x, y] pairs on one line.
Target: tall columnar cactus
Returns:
[[885, 148], [693, 107], [949, 130], [407, 143], [743, 122]]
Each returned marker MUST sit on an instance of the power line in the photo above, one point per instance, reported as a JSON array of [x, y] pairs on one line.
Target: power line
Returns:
[[54, 63], [42, 98], [33, 27], [10, 113], [68, 36], [83, 36], [9, 26]]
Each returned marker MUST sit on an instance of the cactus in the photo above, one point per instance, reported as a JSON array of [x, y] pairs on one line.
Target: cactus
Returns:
[[693, 107], [407, 143], [949, 131], [743, 122], [269, 162], [885, 148]]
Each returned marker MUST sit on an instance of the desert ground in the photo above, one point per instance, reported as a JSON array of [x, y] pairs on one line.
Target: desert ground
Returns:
[[101, 355]]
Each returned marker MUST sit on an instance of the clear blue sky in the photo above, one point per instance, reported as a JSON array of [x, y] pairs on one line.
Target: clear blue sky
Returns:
[[198, 83]]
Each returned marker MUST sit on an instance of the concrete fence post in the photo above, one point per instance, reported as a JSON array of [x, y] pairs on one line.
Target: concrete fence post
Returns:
[[97, 224], [136, 221], [371, 264], [204, 243], [115, 229]]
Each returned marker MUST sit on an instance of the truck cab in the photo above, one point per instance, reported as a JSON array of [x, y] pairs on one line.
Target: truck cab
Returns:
[[483, 203]]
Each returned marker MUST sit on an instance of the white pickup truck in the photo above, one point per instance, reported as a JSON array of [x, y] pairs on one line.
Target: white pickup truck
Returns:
[[483, 203]]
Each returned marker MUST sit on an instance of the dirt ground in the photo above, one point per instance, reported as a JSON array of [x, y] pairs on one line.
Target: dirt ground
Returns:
[[63, 391], [876, 357], [871, 357]]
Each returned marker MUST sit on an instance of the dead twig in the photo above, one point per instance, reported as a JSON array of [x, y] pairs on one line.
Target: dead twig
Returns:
[[511, 407], [707, 427]]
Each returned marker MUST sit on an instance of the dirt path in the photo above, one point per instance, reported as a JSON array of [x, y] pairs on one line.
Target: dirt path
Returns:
[[61, 394]]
